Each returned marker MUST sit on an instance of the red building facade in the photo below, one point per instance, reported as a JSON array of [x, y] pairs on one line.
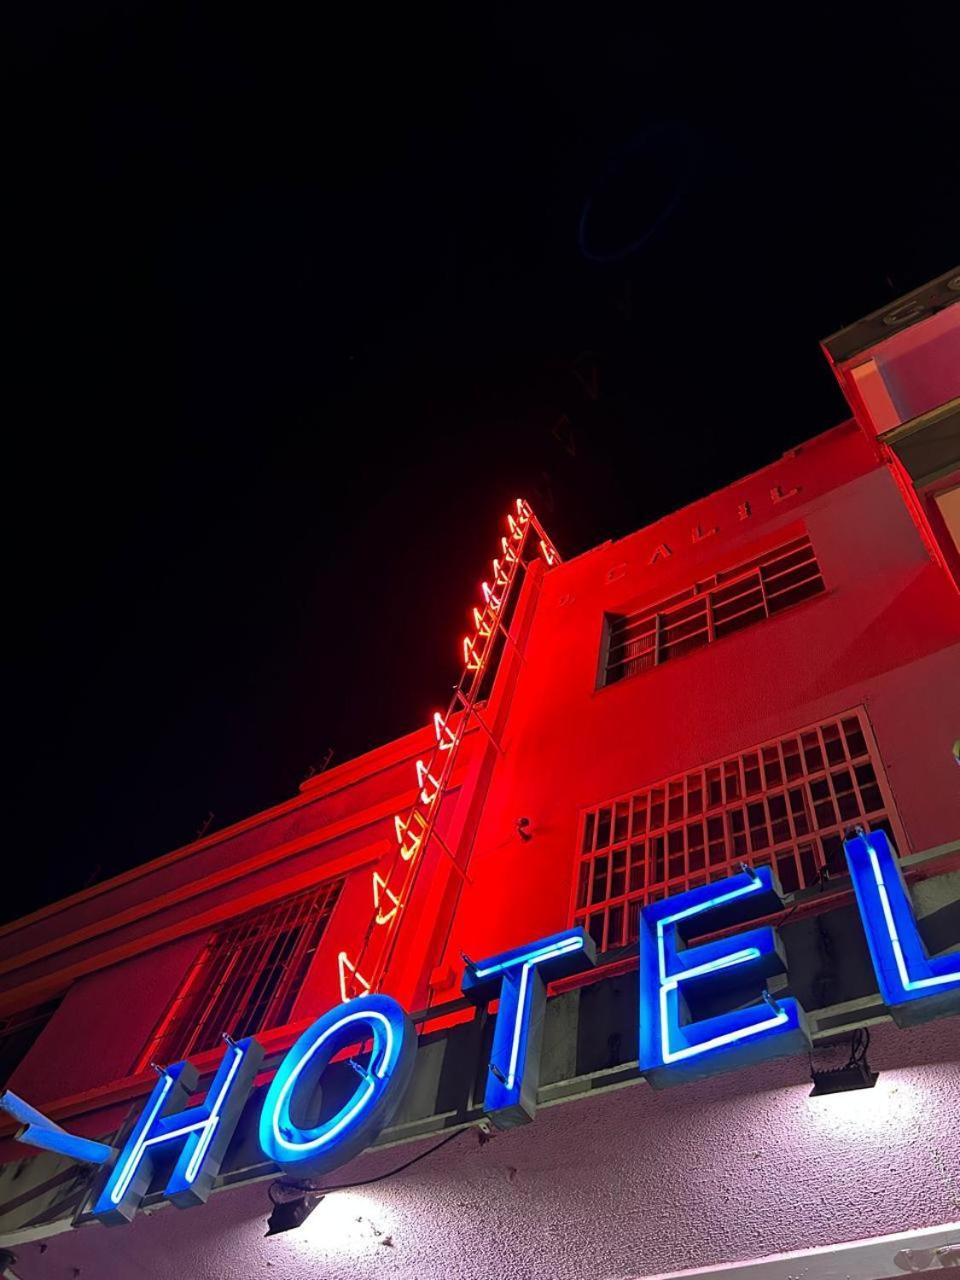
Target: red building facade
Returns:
[[743, 681]]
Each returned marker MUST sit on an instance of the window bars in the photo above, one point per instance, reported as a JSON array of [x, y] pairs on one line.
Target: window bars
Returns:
[[710, 610], [784, 803], [247, 977]]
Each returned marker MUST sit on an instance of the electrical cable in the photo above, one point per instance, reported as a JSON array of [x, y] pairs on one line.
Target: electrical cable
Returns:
[[786, 915], [310, 1188], [859, 1044]]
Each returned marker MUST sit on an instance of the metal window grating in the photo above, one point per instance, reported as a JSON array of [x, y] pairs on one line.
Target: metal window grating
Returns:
[[784, 803], [247, 977], [711, 609]]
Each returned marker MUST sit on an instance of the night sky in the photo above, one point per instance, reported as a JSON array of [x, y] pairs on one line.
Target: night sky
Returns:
[[300, 303]]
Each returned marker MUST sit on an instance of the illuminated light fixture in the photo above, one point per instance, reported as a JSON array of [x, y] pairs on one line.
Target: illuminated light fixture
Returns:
[[470, 655], [854, 1074], [292, 1204], [523, 511], [516, 530], [402, 828], [508, 552], [499, 574], [445, 735], [483, 628], [489, 598], [424, 776], [549, 553], [343, 966], [380, 890]]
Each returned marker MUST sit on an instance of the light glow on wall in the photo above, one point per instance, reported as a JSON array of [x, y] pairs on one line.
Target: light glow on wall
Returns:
[[891, 1110], [345, 1224]]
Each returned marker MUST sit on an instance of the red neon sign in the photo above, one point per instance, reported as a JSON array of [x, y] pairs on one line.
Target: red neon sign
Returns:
[[413, 832]]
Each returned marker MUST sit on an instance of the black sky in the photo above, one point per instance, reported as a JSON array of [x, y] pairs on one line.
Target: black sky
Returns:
[[298, 302]]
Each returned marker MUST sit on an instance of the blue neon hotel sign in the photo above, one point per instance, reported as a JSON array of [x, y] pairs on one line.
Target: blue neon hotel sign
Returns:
[[706, 1006]]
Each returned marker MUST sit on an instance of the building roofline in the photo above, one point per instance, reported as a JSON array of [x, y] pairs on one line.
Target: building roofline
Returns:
[[894, 316], [344, 775], [847, 425]]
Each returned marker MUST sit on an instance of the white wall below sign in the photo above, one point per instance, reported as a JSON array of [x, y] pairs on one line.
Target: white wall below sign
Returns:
[[630, 1183]]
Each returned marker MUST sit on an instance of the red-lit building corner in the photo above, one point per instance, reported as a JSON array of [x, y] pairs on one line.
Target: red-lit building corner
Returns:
[[744, 680]]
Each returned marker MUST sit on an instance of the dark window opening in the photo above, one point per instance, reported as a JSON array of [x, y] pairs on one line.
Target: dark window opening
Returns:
[[247, 977]]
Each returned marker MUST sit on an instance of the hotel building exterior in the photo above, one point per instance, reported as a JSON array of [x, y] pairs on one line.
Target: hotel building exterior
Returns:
[[746, 681]]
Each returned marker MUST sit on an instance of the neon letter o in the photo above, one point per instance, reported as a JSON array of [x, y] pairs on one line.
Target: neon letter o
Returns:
[[305, 1150]]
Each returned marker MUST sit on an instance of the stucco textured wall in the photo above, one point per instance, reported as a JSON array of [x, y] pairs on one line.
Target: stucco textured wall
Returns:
[[629, 1183]]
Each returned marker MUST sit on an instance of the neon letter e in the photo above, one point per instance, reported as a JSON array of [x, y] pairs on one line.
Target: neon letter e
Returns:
[[681, 1037]]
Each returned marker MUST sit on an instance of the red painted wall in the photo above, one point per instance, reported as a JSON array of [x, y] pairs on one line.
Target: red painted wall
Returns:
[[885, 636]]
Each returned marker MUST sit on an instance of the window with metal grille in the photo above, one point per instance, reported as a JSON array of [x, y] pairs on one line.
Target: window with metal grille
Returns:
[[246, 978], [785, 803], [710, 610]]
